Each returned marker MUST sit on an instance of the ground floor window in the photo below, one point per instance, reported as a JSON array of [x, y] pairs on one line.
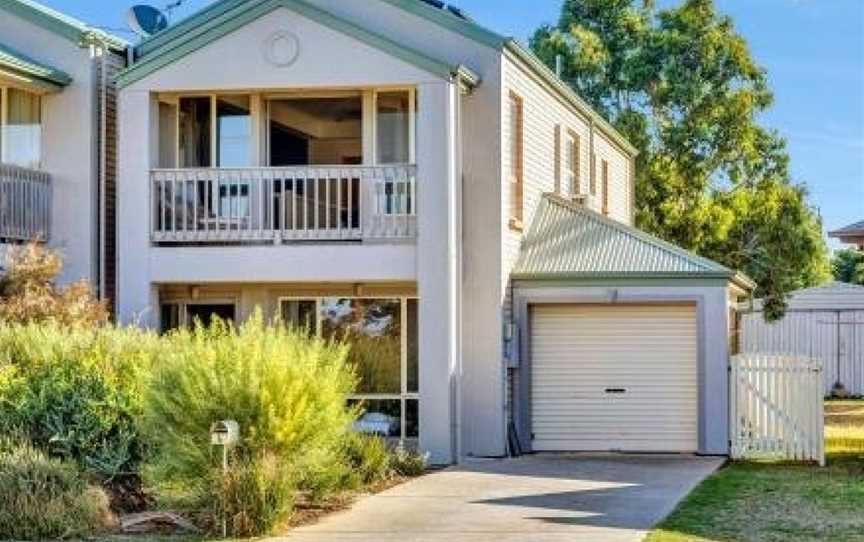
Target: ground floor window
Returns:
[[383, 334], [178, 315]]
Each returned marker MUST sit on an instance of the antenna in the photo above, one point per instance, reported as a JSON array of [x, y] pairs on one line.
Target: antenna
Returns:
[[146, 20]]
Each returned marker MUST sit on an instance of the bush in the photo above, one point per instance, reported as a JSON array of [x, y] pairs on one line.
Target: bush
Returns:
[[408, 463], [28, 292], [287, 392], [369, 457], [46, 499], [76, 393]]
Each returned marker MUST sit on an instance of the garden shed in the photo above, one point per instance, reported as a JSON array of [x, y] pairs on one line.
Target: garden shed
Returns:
[[826, 322]]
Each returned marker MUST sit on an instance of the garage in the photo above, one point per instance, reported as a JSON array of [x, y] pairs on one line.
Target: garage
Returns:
[[615, 377], [621, 340]]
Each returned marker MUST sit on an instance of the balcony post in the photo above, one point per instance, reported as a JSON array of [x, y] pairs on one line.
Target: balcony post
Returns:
[[439, 268]]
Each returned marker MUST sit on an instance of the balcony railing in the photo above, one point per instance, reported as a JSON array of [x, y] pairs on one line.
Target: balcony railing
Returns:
[[25, 204], [274, 205]]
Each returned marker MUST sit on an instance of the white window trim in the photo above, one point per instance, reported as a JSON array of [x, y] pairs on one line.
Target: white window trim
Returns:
[[404, 396], [260, 144]]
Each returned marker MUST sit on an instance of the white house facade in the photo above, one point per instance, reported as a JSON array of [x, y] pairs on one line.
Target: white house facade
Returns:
[[391, 172], [56, 149]]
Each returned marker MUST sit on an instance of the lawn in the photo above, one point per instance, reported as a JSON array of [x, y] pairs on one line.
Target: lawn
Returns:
[[780, 502]]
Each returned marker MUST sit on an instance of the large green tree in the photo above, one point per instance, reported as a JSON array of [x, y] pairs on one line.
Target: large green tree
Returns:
[[682, 85], [848, 266]]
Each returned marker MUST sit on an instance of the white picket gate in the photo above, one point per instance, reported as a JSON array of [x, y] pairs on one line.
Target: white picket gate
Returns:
[[776, 408]]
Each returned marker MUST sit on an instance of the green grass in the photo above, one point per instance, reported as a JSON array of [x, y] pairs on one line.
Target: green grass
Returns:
[[778, 502]]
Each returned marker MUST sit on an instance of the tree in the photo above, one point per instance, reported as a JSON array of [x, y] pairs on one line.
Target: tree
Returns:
[[28, 292], [681, 84], [848, 266]]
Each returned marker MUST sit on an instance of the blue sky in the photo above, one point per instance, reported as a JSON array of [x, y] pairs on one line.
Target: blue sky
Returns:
[[813, 51]]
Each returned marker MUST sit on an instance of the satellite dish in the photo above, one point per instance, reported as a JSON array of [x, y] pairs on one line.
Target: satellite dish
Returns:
[[146, 20]]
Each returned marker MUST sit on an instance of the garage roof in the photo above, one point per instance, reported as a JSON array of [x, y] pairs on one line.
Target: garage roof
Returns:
[[569, 241]]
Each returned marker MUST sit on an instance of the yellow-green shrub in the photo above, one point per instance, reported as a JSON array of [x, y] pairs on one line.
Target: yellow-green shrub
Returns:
[[46, 499], [288, 393]]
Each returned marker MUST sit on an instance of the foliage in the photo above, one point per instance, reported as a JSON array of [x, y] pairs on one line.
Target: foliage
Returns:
[[369, 458], [848, 266], [407, 463], [287, 392], [257, 492], [681, 84], [28, 292], [76, 392], [46, 499]]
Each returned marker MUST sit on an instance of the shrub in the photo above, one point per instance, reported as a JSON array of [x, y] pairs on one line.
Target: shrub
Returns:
[[408, 463], [288, 393], [369, 458], [257, 491], [44, 499], [28, 292], [76, 392]]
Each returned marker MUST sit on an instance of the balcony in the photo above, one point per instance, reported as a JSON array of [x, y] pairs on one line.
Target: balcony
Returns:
[[25, 204], [274, 205]]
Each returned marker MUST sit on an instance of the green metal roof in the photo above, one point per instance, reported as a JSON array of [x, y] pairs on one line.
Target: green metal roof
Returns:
[[227, 16], [569, 241], [21, 67], [63, 25]]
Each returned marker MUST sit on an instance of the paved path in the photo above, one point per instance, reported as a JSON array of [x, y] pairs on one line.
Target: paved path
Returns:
[[543, 498]]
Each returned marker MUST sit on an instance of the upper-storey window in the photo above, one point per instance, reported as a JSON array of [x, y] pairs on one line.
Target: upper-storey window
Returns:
[[571, 162], [20, 128], [516, 112], [604, 172], [394, 133], [291, 128]]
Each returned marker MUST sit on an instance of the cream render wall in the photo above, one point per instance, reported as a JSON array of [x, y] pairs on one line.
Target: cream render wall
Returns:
[[68, 135]]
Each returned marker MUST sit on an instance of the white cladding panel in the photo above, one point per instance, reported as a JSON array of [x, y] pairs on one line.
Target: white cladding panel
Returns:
[[582, 356]]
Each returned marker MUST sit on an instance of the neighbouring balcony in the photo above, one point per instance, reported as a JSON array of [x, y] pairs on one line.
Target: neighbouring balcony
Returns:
[[283, 204], [25, 204]]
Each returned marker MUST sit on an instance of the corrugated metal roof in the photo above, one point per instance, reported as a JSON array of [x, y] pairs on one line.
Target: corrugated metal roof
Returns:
[[567, 240], [832, 296]]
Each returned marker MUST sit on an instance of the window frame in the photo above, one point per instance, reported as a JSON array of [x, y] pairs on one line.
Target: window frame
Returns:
[[516, 172], [260, 115], [573, 142], [4, 121], [604, 172], [404, 395], [183, 304]]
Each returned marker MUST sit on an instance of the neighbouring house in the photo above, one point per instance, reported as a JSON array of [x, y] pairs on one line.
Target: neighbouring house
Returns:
[[853, 234], [57, 170], [390, 172], [825, 322]]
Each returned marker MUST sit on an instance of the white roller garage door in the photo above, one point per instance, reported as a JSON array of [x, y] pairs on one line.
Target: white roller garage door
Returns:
[[614, 377]]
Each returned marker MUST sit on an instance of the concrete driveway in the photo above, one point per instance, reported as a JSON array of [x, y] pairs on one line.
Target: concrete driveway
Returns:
[[595, 498]]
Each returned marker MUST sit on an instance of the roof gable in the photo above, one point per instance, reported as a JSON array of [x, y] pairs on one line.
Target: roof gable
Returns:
[[831, 296], [567, 241], [61, 24], [230, 15]]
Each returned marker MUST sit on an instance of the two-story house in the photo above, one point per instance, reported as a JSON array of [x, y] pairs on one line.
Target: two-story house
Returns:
[[57, 137], [390, 172]]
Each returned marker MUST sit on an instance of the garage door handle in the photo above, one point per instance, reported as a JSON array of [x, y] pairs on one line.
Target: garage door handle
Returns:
[[616, 390]]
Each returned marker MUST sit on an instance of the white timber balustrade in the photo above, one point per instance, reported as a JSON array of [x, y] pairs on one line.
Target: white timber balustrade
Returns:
[[282, 204], [776, 408], [25, 204]]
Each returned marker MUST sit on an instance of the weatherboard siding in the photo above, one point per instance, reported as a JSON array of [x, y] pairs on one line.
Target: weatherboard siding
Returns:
[[544, 114]]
